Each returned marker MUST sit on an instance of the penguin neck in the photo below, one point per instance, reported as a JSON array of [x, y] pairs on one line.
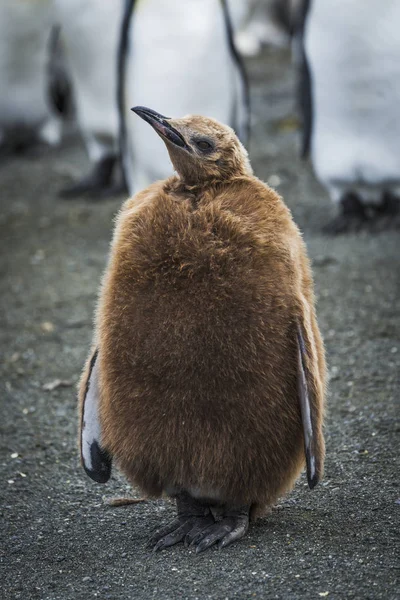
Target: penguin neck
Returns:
[[200, 193], [194, 191]]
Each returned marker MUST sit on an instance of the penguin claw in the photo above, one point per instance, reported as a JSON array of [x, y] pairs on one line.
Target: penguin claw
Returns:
[[179, 531], [211, 536], [226, 531], [174, 537], [200, 525], [196, 526], [164, 531]]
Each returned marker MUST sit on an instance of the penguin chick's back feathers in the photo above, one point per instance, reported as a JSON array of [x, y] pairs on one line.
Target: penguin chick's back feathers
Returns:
[[197, 329]]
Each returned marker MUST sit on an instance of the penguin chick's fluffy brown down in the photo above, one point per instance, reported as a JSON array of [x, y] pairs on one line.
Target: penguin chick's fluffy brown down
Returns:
[[207, 380]]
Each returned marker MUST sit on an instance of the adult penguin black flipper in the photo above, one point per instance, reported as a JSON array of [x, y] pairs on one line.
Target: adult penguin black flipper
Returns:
[[313, 449], [304, 79], [123, 48], [95, 459], [242, 109]]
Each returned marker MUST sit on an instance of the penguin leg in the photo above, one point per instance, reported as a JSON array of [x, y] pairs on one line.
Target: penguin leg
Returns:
[[232, 526], [193, 516], [97, 182], [352, 216]]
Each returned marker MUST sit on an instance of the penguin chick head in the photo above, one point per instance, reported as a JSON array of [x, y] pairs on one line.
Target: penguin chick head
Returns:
[[201, 149]]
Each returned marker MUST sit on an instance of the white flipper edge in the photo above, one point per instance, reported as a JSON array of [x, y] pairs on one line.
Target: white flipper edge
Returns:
[[95, 459], [306, 413]]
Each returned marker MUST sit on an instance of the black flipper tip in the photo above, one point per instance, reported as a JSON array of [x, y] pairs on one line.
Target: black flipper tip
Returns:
[[101, 461], [312, 475], [312, 481]]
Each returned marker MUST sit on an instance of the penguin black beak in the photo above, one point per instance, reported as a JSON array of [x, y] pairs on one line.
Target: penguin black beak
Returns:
[[161, 126]]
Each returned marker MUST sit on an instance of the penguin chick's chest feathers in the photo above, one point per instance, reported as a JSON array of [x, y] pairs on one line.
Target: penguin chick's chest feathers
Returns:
[[197, 343]]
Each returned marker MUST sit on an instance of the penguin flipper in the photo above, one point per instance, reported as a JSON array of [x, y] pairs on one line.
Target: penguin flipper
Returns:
[[241, 117], [122, 60], [312, 444], [304, 80], [95, 459]]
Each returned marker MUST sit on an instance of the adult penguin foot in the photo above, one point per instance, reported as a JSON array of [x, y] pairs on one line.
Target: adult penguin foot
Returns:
[[352, 217], [193, 517], [98, 182], [387, 214]]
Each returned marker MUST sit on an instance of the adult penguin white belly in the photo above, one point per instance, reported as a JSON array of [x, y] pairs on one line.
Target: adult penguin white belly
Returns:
[[180, 56], [352, 56], [26, 115], [90, 33], [268, 22]]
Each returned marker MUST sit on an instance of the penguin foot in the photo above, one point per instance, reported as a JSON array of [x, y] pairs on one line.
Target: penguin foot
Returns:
[[352, 217], [30, 149], [233, 526], [178, 530], [387, 214], [98, 182], [193, 517]]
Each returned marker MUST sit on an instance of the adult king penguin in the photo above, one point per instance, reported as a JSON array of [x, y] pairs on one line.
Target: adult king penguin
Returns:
[[26, 114], [184, 54], [208, 375], [90, 32], [351, 98], [268, 22]]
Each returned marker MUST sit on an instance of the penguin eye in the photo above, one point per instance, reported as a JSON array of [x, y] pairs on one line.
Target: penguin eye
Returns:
[[203, 145]]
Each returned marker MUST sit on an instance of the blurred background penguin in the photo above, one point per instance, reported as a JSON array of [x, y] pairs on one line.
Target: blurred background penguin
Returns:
[[96, 59], [53, 51], [183, 55], [90, 32], [266, 23], [182, 52], [26, 114], [350, 99]]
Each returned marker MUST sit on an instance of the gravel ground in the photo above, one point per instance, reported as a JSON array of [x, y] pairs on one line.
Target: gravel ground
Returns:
[[60, 540]]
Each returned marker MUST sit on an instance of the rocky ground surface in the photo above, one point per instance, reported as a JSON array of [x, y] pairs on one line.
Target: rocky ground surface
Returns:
[[60, 541]]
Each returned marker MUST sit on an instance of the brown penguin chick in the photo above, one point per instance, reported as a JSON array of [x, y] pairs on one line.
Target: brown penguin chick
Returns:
[[208, 380]]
